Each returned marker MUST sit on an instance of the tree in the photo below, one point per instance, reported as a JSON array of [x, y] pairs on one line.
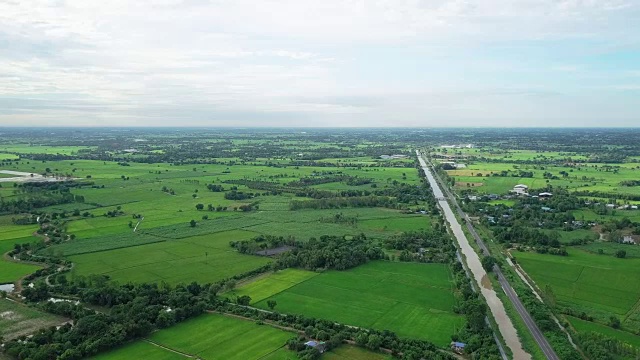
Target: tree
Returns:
[[374, 342], [621, 254], [192, 223], [199, 207], [614, 236], [243, 300], [230, 285], [271, 304], [488, 262], [214, 289], [362, 339], [614, 322]]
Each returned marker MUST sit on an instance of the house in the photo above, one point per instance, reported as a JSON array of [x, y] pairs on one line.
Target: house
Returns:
[[393, 157], [628, 240], [321, 346], [544, 208], [520, 189], [458, 347], [545, 195]]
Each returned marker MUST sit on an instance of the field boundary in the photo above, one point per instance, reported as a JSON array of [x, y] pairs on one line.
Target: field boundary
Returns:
[[294, 285], [118, 247], [168, 348]]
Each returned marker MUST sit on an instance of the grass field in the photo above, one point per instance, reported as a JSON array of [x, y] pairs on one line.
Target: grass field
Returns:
[[210, 337], [140, 350], [12, 271], [601, 284], [274, 283], [610, 249], [206, 258], [17, 319], [588, 326], [568, 236], [586, 176], [414, 300]]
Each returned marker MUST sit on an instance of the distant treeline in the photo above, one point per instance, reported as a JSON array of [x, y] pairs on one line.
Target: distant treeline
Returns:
[[31, 196], [341, 202]]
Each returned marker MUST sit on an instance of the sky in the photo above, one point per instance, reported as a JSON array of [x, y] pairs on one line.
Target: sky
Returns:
[[333, 63]]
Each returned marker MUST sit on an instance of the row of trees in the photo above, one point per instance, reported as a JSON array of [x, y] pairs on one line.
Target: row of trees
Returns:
[[342, 202], [330, 252]]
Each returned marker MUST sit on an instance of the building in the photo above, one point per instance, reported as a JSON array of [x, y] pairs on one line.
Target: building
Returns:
[[520, 189], [628, 240], [545, 195], [321, 346], [393, 157], [458, 347]]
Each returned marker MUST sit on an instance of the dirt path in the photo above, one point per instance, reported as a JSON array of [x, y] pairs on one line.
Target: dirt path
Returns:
[[170, 349]]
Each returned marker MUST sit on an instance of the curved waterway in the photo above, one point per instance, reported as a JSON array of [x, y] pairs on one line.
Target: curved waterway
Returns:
[[496, 306]]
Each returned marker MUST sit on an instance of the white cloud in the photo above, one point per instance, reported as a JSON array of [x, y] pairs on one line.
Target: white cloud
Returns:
[[322, 60]]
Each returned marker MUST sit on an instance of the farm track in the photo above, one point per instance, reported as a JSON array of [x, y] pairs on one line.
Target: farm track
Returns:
[[169, 349]]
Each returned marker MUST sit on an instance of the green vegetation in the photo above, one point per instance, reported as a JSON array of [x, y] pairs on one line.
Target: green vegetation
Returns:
[[601, 285], [181, 206], [10, 270], [139, 350], [587, 326], [216, 336], [413, 300], [203, 258], [271, 284]]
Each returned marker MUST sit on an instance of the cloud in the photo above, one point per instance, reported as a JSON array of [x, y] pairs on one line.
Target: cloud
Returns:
[[305, 62]]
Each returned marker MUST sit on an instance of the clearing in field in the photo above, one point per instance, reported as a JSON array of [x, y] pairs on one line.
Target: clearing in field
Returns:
[[602, 284], [411, 299], [18, 319], [205, 259]]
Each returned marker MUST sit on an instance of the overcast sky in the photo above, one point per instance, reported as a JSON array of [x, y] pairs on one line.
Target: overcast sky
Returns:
[[320, 63]]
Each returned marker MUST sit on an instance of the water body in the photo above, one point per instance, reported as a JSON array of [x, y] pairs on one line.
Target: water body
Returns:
[[496, 306], [28, 177]]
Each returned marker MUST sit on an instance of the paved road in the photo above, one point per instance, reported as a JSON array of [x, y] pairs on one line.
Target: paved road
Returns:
[[511, 294]]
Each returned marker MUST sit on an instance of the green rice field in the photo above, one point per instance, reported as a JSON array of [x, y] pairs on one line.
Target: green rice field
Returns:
[[587, 326], [411, 299], [206, 258], [601, 284], [208, 337]]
